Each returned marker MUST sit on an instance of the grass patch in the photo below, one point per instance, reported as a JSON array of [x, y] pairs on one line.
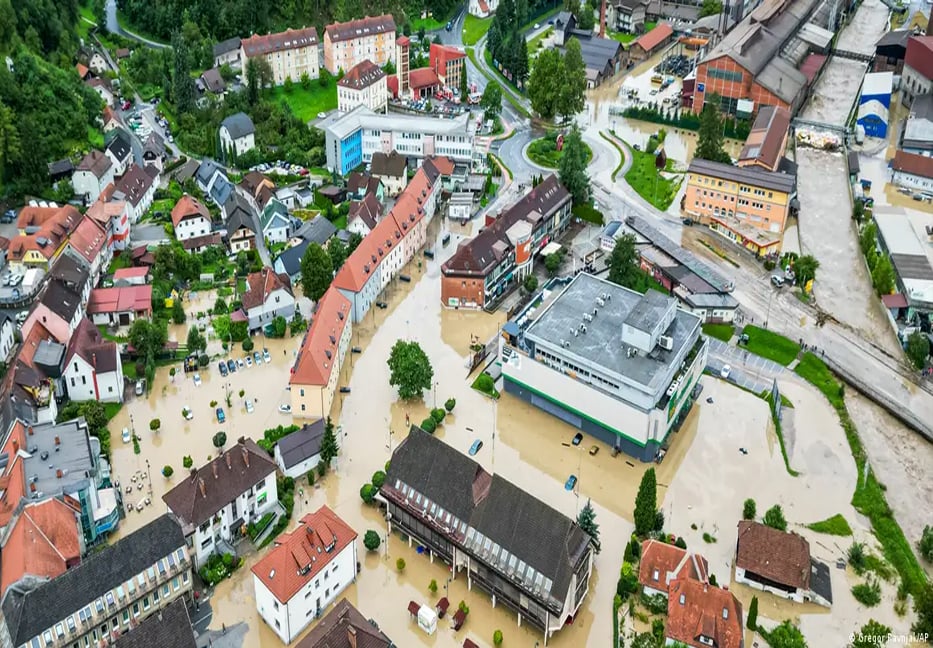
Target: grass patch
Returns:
[[647, 182], [475, 28], [94, 137], [119, 262], [621, 163], [815, 372], [722, 332], [779, 432], [486, 385], [625, 39], [543, 151], [129, 370], [109, 336], [340, 222], [836, 525], [111, 410], [306, 104], [535, 43], [429, 24], [771, 345]]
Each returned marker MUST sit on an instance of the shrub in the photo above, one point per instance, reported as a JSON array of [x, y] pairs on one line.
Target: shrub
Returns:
[[485, 384], [749, 509], [429, 425], [321, 468], [926, 544], [187, 461], [219, 439], [432, 586], [155, 424], [657, 629], [242, 393], [681, 543], [450, 404], [856, 556], [497, 637], [203, 360], [752, 614], [628, 581], [367, 493], [707, 538], [248, 345], [168, 471], [371, 540], [310, 478], [774, 518], [868, 593], [400, 564], [379, 479], [463, 607], [213, 404], [438, 415], [654, 603]]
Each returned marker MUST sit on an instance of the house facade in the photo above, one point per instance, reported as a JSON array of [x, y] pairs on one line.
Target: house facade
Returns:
[[190, 218], [305, 572], [363, 85], [137, 189], [291, 54], [218, 500], [917, 77], [227, 52], [275, 222], [93, 370], [268, 295], [120, 151], [62, 303], [912, 171], [298, 453], [7, 338], [391, 169], [237, 134], [350, 43], [241, 235], [114, 217], [120, 305], [627, 16], [88, 246], [94, 172]]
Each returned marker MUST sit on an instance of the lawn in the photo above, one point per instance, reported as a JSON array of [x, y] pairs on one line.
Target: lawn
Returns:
[[625, 39], [544, 151], [430, 24], [95, 138], [771, 345], [535, 43], [475, 28], [340, 222], [85, 21], [836, 525], [306, 104], [648, 183], [719, 331], [119, 261]]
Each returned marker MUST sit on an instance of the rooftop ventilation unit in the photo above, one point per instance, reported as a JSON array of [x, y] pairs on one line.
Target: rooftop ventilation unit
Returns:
[[587, 317], [600, 301], [666, 342]]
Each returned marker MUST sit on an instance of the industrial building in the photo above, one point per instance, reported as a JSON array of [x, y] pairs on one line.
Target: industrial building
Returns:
[[874, 104], [898, 239], [607, 360]]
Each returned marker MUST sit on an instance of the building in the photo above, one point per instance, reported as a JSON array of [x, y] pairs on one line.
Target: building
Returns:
[[350, 43], [137, 189], [131, 276], [626, 16], [316, 371], [747, 205], [712, 308], [275, 222], [780, 562], [94, 172], [363, 85], [237, 134], [767, 141], [528, 556], [305, 572], [190, 218], [114, 217], [154, 151], [88, 246], [216, 502], [391, 169], [898, 239], [647, 45], [227, 52], [912, 171], [352, 138], [39, 244], [93, 369], [257, 188], [291, 54], [608, 361], [7, 337], [661, 564], [917, 136], [240, 233], [917, 78], [448, 63], [890, 51], [361, 184], [212, 82], [501, 255], [483, 8], [268, 295], [700, 615], [364, 215], [564, 25], [602, 57], [120, 151], [298, 453], [111, 593], [171, 628], [102, 87], [345, 627], [120, 305], [61, 305], [874, 103]]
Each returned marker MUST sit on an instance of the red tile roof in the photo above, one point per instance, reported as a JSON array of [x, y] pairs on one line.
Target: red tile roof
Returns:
[[121, 299], [53, 232], [362, 75], [299, 556], [392, 85], [103, 211], [130, 273], [443, 164], [368, 26], [82, 70], [43, 543], [319, 351], [706, 611], [661, 563], [897, 300], [36, 216], [655, 37], [188, 207], [919, 55], [288, 39], [369, 210], [88, 239], [259, 285], [423, 78], [13, 479], [918, 165], [776, 555]]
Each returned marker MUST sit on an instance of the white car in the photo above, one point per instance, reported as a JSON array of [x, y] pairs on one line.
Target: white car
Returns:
[[285, 409], [249, 406], [197, 380], [126, 435], [724, 372], [321, 115]]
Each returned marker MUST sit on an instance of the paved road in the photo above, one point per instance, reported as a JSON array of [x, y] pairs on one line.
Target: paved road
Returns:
[[113, 26]]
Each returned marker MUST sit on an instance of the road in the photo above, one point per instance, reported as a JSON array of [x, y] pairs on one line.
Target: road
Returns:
[[113, 26]]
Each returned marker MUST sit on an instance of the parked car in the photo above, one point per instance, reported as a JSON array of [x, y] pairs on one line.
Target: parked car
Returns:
[[382, 304], [777, 281], [344, 390], [249, 406], [285, 409], [594, 449], [249, 361], [187, 413], [231, 365], [221, 417], [8, 216], [257, 357], [476, 447], [222, 368], [725, 371], [570, 483], [266, 355], [140, 387], [197, 380], [126, 435], [577, 438], [450, 25], [321, 115]]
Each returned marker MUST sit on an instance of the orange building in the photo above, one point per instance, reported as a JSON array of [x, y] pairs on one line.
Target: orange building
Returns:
[[350, 43]]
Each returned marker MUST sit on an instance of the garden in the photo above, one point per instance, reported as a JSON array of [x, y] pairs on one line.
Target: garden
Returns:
[[543, 151], [647, 181]]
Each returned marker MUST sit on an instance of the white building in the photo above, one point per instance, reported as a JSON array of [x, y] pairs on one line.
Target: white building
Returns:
[[275, 222], [237, 134], [364, 85], [120, 151], [291, 54], [306, 571], [483, 8], [268, 295], [7, 339], [137, 189], [190, 218], [391, 169], [460, 207], [300, 452], [913, 171], [218, 500], [93, 370], [93, 174]]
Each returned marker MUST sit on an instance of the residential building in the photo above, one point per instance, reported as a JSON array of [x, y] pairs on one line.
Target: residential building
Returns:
[[110, 120], [241, 231], [88, 245], [352, 138], [120, 305], [627, 16], [890, 51], [60, 170], [112, 592], [257, 188], [700, 615], [661, 563], [268, 295], [319, 230], [223, 194], [609, 361], [198, 244], [780, 562], [94, 172], [119, 150], [528, 556], [712, 308], [649, 44], [170, 628], [291, 54], [131, 276], [237, 135], [298, 453], [501, 255], [316, 371], [364, 215], [216, 502], [7, 337], [61, 305], [101, 85], [350, 43], [917, 78], [391, 169], [460, 206], [917, 136], [363, 85], [212, 82], [564, 25], [207, 174], [747, 205], [275, 222], [137, 189], [898, 240], [190, 218], [305, 572], [767, 141], [93, 369], [227, 52], [912, 171], [448, 63], [483, 8], [345, 627], [361, 184], [62, 461]]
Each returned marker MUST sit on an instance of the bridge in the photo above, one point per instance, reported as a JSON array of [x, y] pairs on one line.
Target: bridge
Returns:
[[797, 122], [854, 56]]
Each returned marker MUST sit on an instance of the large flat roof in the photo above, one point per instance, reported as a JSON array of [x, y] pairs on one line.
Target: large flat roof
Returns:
[[601, 345], [340, 125], [744, 175]]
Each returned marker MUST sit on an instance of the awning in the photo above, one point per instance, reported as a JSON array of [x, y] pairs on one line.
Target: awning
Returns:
[[897, 300], [551, 248]]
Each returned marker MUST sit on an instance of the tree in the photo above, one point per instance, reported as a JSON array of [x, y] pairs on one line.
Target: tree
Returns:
[[182, 83], [646, 504], [926, 544], [317, 271], [918, 350], [429, 425], [219, 440], [450, 404], [367, 493], [585, 17], [155, 424], [288, 85], [624, 265], [491, 102], [867, 237], [552, 263], [752, 614], [410, 369], [337, 250], [805, 268], [572, 81], [355, 239], [923, 607], [168, 471], [187, 461], [774, 518], [279, 326], [220, 306], [464, 85], [586, 519], [400, 564], [196, 341], [148, 338], [882, 274], [178, 312], [544, 84], [710, 8], [497, 638], [710, 136], [785, 635], [329, 447], [871, 635], [572, 166], [749, 509], [371, 540], [531, 283], [9, 139], [248, 345]]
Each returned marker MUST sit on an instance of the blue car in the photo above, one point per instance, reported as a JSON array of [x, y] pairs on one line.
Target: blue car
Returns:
[[571, 482], [476, 447], [222, 368], [221, 417]]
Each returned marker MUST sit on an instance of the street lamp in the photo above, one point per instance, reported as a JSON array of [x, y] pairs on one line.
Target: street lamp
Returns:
[[435, 394], [149, 474]]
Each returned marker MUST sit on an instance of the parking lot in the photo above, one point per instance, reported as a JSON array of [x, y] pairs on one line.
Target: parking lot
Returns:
[[746, 370]]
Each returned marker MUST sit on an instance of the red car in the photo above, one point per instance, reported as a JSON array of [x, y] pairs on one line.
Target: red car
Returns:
[[127, 105]]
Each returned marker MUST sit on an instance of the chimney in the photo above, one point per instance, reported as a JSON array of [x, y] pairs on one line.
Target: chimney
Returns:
[[246, 457], [32, 487], [94, 360], [201, 486], [351, 636], [58, 441], [214, 468], [58, 473], [229, 463], [30, 430]]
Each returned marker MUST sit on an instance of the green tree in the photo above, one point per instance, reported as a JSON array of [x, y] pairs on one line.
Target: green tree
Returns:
[[219, 440], [220, 306], [279, 326], [187, 461], [882, 275], [646, 504], [785, 635], [371, 540], [329, 447], [752, 619], [367, 493], [552, 263], [586, 519], [624, 268], [572, 92], [530, 283], [410, 369], [586, 19], [926, 543], [497, 638], [774, 518], [168, 471], [867, 237], [288, 85], [491, 101], [572, 165], [450, 404], [544, 84], [464, 86], [710, 8], [182, 83], [871, 635], [355, 239], [248, 345], [317, 271], [196, 341], [918, 349], [923, 607], [178, 312], [148, 338], [749, 509], [337, 250], [10, 149], [710, 136], [155, 424], [400, 564], [805, 268]]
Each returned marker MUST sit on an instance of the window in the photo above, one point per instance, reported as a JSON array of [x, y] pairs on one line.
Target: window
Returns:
[[71, 623], [184, 578], [165, 590], [47, 635], [175, 583], [155, 596], [275, 605], [146, 602], [110, 601], [100, 605], [141, 580], [60, 628], [126, 617]]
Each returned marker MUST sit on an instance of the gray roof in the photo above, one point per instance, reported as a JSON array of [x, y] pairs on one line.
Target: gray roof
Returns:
[[170, 628], [745, 175], [820, 580], [289, 261], [222, 191], [897, 37], [711, 300], [72, 456], [29, 614], [227, 46], [598, 53], [318, 230], [119, 145], [206, 171], [238, 125], [340, 125], [334, 630], [918, 130], [301, 444], [186, 171], [62, 299], [563, 19], [648, 310], [239, 215]]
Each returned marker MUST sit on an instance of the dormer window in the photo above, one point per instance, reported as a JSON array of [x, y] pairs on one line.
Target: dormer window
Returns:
[[725, 613], [683, 599], [656, 575]]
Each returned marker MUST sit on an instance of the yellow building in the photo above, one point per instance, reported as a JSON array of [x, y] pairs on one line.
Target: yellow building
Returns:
[[291, 53], [349, 44], [747, 205]]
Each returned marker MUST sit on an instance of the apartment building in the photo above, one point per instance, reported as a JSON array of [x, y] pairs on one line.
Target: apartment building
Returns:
[[747, 205], [363, 85], [291, 53], [109, 594], [349, 44]]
